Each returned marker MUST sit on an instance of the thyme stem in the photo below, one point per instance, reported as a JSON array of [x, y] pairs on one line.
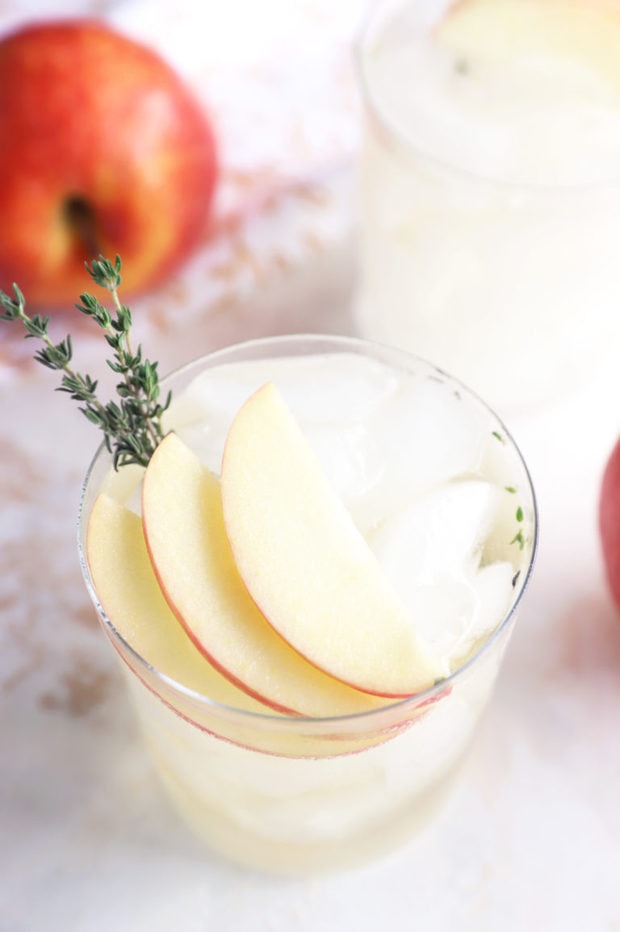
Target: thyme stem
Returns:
[[131, 425]]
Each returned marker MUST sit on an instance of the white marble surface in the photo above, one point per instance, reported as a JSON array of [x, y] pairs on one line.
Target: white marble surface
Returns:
[[531, 837]]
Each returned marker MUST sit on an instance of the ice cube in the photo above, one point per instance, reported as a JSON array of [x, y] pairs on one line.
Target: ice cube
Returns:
[[451, 617], [340, 389], [207, 442], [431, 552], [417, 438], [493, 585], [492, 592], [442, 615], [439, 535], [124, 485], [337, 450], [335, 388], [328, 395]]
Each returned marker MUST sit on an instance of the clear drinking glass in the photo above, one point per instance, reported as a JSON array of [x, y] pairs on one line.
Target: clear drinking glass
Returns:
[[490, 198], [290, 794]]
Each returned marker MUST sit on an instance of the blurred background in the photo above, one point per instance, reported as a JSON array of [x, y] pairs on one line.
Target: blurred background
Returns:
[[277, 80]]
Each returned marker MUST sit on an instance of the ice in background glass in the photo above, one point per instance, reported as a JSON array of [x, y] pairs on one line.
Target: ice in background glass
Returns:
[[490, 189], [290, 794]]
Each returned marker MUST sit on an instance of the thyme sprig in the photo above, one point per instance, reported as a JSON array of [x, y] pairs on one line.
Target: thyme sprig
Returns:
[[131, 425]]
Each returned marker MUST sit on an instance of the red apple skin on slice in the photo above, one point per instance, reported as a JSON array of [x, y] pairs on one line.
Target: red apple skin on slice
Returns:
[[130, 596], [186, 538], [304, 561]]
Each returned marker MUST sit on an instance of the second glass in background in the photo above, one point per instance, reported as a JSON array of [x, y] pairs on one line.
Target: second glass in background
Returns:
[[490, 199]]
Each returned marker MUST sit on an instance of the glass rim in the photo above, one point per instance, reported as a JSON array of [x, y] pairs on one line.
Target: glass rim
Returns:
[[274, 718], [409, 147]]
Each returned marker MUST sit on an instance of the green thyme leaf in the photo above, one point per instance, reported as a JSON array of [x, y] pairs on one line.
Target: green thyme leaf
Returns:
[[131, 425]]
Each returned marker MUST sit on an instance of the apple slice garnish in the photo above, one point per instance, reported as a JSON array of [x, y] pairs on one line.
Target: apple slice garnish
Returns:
[[130, 596], [582, 33], [189, 549], [305, 563]]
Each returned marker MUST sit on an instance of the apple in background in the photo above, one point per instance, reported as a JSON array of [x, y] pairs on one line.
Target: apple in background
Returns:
[[305, 563], [609, 521], [103, 149]]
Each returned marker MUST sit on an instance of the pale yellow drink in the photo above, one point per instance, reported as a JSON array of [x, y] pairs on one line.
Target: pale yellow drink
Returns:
[[415, 458]]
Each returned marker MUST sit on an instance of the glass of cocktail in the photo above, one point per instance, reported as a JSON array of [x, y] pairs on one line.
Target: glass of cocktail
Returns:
[[489, 189], [295, 755]]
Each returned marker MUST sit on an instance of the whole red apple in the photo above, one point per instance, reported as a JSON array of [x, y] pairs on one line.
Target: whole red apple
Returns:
[[609, 521], [103, 149]]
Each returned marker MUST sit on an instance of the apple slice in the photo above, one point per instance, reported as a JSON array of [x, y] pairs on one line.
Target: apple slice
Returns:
[[573, 36], [131, 598], [186, 538], [305, 563]]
